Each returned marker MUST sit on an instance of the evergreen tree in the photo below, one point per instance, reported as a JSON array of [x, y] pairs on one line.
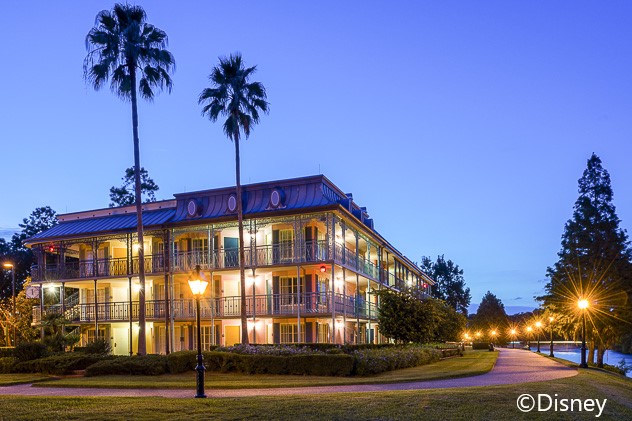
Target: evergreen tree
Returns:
[[491, 315], [450, 284], [125, 195], [594, 263]]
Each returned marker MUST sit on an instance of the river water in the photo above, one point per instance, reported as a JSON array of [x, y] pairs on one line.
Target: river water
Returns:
[[574, 355]]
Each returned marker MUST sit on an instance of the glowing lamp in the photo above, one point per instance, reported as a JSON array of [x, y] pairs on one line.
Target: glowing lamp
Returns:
[[513, 331], [8, 265], [538, 324], [197, 286], [582, 304], [323, 269], [551, 319]]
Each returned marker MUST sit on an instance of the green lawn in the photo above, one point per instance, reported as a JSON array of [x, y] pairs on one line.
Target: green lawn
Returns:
[[472, 363], [484, 403], [9, 379]]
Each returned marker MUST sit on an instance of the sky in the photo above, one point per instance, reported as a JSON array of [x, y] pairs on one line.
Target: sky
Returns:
[[463, 127]]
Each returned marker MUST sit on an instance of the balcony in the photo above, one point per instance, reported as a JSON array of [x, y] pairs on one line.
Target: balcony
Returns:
[[259, 256], [271, 305]]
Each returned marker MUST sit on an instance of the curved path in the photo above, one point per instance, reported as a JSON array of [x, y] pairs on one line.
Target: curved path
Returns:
[[513, 366]]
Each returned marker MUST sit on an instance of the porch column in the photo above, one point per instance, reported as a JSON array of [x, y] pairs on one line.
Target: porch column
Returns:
[[96, 313], [41, 309], [298, 302], [167, 269], [344, 305], [357, 306], [131, 338], [62, 299], [333, 306]]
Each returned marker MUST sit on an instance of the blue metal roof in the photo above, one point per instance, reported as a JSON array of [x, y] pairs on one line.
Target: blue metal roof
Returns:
[[104, 224]]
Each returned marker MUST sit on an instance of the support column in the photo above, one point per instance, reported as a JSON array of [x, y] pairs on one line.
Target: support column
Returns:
[[96, 312], [298, 302], [62, 299], [356, 309], [42, 289], [344, 305], [333, 306], [167, 270], [131, 330]]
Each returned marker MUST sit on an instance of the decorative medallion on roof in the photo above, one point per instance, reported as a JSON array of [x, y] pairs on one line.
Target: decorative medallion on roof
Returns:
[[232, 203], [194, 208], [277, 199]]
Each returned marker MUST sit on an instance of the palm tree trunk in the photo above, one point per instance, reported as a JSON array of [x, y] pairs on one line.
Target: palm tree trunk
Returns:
[[240, 224], [142, 345]]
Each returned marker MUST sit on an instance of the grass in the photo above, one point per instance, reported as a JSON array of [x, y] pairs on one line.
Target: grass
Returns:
[[471, 364], [11, 379], [476, 403]]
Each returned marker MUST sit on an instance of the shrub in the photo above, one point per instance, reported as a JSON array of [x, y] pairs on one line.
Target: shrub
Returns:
[[374, 361], [7, 365], [27, 351], [57, 364], [181, 361], [480, 345], [6, 352], [321, 365], [150, 365], [99, 347]]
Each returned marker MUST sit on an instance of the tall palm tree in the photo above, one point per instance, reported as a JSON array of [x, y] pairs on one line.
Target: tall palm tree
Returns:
[[123, 47], [233, 96]]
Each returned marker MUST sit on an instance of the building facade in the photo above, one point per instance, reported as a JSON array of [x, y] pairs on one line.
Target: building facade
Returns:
[[312, 258]]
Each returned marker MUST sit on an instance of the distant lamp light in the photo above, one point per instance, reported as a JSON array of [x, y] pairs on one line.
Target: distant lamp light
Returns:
[[323, 269], [51, 249], [582, 304]]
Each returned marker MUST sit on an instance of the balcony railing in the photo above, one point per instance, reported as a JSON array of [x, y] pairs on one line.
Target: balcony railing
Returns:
[[186, 261], [310, 303]]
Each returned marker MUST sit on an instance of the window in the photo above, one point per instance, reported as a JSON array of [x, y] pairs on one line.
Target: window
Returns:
[[286, 240], [321, 288], [323, 333], [288, 288], [91, 335], [199, 248], [206, 337], [289, 333]]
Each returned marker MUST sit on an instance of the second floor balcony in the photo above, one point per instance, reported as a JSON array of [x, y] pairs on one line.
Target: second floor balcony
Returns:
[[312, 304], [282, 254]]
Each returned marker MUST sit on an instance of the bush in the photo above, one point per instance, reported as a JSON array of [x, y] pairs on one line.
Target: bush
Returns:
[[98, 347], [480, 345], [321, 365], [6, 352], [149, 365], [181, 361], [7, 365], [27, 351], [374, 361], [58, 364]]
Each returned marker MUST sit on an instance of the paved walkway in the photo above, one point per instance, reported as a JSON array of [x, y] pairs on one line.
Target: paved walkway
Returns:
[[512, 366]]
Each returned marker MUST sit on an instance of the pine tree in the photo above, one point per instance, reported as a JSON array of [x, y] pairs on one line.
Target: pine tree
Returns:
[[594, 263]]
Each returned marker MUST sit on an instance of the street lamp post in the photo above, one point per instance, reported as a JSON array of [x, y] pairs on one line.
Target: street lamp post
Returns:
[[538, 324], [551, 329], [12, 267], [583, 305], [513, 338], [198, 286], [529, 329]]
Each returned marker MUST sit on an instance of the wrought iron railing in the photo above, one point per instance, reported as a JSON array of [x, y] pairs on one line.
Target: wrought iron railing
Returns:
[[308, 303]]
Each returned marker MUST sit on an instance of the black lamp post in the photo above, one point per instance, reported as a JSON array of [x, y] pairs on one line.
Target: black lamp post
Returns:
[[583, 305], [538, 325], [198, 286], [11, 266], [551, 328], [529, 329]]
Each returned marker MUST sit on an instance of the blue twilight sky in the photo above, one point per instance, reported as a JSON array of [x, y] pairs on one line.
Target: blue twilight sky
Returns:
[[462, 126]]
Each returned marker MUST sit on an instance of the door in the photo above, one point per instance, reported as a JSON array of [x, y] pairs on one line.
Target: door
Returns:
[[232, 335], [231, 252]]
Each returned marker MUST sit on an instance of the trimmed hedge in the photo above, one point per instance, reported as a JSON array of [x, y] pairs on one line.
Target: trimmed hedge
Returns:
[[6, 365], [27, 351], [374, 361], [149, 365], [6, 352], [58, 364], [480, 345]]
